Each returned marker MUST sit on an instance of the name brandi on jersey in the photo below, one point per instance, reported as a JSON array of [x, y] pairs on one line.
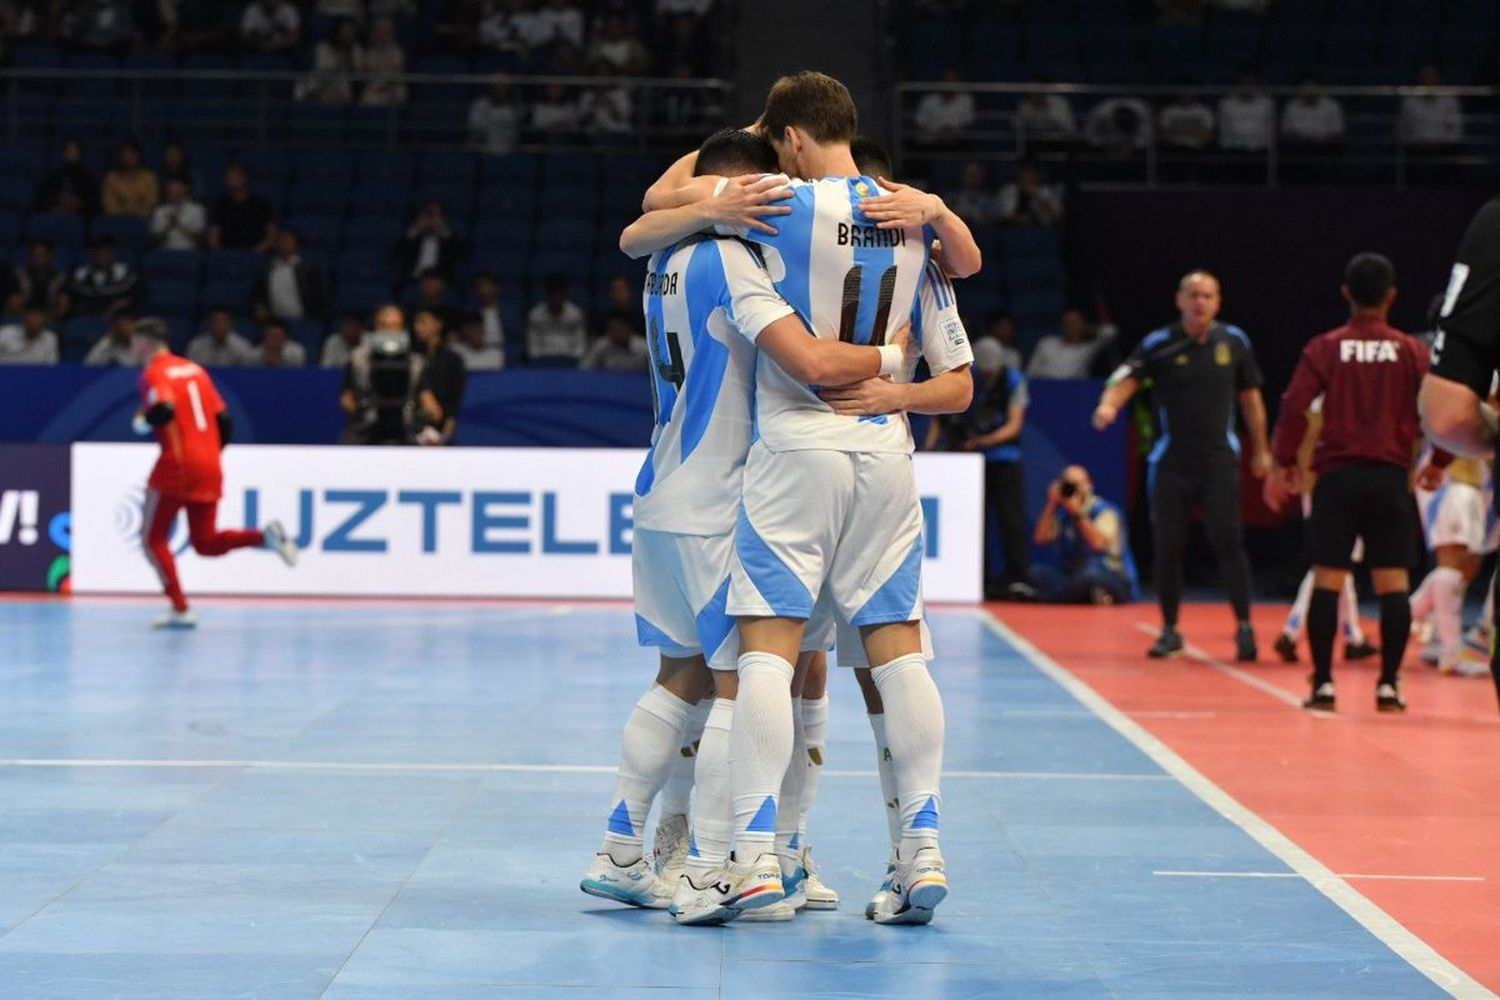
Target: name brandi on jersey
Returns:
[[1368, 351], [870, 236]]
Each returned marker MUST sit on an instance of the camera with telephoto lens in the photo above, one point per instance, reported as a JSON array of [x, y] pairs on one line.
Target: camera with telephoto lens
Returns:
[[1067, 488]]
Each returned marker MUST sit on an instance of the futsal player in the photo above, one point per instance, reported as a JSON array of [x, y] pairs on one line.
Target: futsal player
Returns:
[[181, 406], [1199, 367], [1454, 499], [1368, 373]]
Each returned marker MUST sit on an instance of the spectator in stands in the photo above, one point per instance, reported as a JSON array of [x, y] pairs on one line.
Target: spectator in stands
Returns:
[[559, 21], [69, 188], [1046, 120], [198, 25], [116, 349], [498, 28], [392, 8], [429, 245], [974, 201], [99, 25], [220, 346], [615, 51], [440, 390], [1120, 126], [28, 342], [1186, 12], [606, 112], [697, 8], [290, 287], [347, 334], [684, 110], [335, 10], [556, 332], [495, 119], [1247, 117], [431, 292], [1431, 121], [335, 61], [179, 223], [19, 19], [39, 283], [486, 303], [557, 114], [1186, 124], [241, 219], [1002, 330], [1094, 565], [270, 26], [278, 349], [175, 165], [1029, 200], [620, 349], [477, 353], [385, 59], [622, 298], [1069, 353], [130, 187], [456, 28], [104, 285], [943, 115], [685, 42], [1312, 119]]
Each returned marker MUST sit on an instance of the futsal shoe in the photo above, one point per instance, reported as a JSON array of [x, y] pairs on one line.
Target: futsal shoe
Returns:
[[778, 912], [634, 884], [669, 848], [175, 619], [819, 896], [1479, 638], [1321, 699], [1244, 644], [279, 542], [878, 901], [1359, 651], [794, 883], [917, 887], [727, 892], [1388, 698], [1286, 648], [1168, 644]]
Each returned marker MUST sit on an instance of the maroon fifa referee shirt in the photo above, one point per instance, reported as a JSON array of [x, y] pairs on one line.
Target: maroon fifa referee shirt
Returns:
[[1368, 374]]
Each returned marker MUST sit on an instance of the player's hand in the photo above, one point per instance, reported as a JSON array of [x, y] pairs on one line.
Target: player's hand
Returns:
[[1279, 485], [870, 398], [1429, 477], [1104, 416], [904, 208], [746, 201], [1260, 464], [1054, 494]]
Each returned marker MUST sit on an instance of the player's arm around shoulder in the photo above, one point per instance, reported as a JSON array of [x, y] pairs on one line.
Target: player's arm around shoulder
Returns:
[[736, 205]]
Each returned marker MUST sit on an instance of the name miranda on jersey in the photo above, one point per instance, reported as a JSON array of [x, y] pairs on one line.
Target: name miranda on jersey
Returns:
[[870, 236], [658, 283]]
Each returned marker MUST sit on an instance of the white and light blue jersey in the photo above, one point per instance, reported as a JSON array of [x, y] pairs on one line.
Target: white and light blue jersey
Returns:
[[848, 280], [702, 381], [936, 328]]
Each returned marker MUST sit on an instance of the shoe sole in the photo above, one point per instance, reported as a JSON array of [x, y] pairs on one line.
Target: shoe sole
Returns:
[[603, 890], [1175, 654], [921, 900], [1389, 708], [769, 915], [821, 904], [1318, 706], [765, 894], [708, 918]]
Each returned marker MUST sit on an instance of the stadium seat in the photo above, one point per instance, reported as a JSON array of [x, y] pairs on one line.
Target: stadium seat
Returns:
[[10, 228], [234, 264], [172, 265], [450, 167], [318, 232], [363, 265], [456, 197], [373, 231], [22, 161], [992, 51], [361, 297], [1175, 55], [171, 297], [573, 199], [516, 169], [564, 233], [308, 333], [60, 230], [80, 86], [232, 292], [934, 43], [386, 167], [317, 196], [15, 193], [131, 233], [557, 168], [79, 333], [326, 166], [36, 56], [220, 88], [381, 197], [151, 61]]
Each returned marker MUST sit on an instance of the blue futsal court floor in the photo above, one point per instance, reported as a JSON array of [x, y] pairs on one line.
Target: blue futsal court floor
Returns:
[[397, 800]]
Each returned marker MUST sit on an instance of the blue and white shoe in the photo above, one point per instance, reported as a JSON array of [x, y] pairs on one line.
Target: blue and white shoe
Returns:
[[727, 892], [634, 885], [917, 887], [279, 542], [669, 849], [818, 895], [175, 620], [879, 900]]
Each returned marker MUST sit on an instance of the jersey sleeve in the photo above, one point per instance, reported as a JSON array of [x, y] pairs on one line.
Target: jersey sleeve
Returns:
[[1467, 348], [156, 389], [937, 327], [754, 303], [1140, 362], [1308, 383], [1020, 390], [212, 401]]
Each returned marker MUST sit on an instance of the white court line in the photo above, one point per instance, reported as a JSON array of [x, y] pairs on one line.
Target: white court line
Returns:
[[1243, 676], [1342, 875], [1418, 953]]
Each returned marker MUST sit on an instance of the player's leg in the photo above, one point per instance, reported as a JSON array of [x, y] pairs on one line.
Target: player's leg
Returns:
[[1171, 504], [813, 718], [1220, 502], [1333, 527], [698, 897], [1388, 502], [1447, 582], [1356, 644], [208, 540], [669, 843], [1480, 635], [1296, 618], [1392, 586], [158, 512]]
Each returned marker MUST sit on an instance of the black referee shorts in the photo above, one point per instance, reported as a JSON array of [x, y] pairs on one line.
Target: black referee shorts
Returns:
[[1372, 502]]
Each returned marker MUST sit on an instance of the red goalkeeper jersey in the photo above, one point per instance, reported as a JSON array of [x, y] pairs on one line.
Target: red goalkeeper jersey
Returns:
[[189, 464]]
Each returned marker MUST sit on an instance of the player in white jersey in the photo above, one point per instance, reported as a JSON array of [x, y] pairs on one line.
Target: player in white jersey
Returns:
[[1455, 497], [687, 496]]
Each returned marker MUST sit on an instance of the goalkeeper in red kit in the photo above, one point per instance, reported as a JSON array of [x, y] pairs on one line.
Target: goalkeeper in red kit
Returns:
[[181, 406]]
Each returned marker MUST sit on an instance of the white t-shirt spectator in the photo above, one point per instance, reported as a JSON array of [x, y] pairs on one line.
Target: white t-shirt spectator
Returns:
[[486, 358], [259, 25], [698, 7], [293, 355], [564, 23], [110, 353], [179, 227], [1432, 120], [564, 335], [209, 353], [1320, 121], [606, 109], [18, 349], [1246, 121], [335, 353], [1054, 357], [1046, 116], [607, 356], [1186, 125], [942, 114], [561, 115], [1103, 132]]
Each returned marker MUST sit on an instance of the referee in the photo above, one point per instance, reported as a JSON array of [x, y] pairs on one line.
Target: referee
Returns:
[[1368, 374], [1198, 368], [1466, 353]]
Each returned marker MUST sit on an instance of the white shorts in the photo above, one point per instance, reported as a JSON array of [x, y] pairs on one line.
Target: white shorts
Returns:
[[850, 521], [1455, 514], [681, 583], [825, 631]]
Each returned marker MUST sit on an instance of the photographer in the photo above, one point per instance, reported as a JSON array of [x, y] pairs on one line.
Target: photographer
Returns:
[[1094, 564], [380, 384]]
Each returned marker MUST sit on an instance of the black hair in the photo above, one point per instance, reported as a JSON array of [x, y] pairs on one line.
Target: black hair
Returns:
[[870, 157], [153, 328], [1369, 276], [732, 151]]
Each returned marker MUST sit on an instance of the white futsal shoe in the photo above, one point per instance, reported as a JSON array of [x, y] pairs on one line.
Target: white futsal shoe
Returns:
[[278, 541], [669, 849], [878, 901], [728, 891], [819, 896], [175, 619], [917, 887], [634, 885], [778, 912]]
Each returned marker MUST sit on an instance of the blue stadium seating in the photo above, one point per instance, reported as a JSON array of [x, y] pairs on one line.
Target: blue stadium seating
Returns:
[[172, 297], [63, 231], [131, 234], [172, 265]]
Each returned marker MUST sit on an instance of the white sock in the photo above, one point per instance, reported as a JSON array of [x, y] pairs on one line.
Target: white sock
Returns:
[[887, 780], [1448, 612], [1297, 617], [789, 802], [653, 737], [1422, 599], [760, 747], [677, 793], [914, 734], [1354, 633], [713, 826], [815, 735]]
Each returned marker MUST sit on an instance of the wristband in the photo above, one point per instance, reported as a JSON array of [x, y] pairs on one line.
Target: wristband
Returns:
[[892, 360]]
